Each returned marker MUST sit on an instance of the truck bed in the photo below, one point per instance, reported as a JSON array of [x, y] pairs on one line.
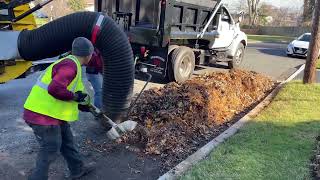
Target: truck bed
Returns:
[[190, 16], [183, 19]]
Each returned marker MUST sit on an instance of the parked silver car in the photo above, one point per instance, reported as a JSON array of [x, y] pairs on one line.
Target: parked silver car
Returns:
[[299, 47]]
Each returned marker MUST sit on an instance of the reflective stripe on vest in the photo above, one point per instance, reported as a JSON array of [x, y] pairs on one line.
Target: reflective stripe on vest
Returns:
[[40, 101], [45, 86]]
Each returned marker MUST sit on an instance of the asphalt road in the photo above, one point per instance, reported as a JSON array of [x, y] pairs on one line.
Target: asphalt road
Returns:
[[267, 58], [270, 59], [18, 147]]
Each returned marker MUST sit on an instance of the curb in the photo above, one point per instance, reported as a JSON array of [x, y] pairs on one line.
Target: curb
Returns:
[[204, 151]]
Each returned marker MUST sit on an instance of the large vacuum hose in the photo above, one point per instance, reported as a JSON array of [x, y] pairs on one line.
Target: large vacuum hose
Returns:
[[56, 38]]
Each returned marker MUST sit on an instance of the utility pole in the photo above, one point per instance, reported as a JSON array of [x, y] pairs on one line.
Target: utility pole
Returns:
[[314, 47]]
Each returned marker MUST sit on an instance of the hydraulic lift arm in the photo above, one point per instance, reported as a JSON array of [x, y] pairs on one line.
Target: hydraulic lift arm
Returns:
[[7, 9]]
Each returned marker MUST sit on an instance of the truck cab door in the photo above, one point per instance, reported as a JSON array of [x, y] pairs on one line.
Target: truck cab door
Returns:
[[226, 30]]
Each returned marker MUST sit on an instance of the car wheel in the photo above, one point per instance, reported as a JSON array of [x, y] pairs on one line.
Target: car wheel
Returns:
[[238, 57]]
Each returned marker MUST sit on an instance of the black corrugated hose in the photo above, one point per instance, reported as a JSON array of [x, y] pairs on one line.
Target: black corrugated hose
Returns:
[[56, 38]]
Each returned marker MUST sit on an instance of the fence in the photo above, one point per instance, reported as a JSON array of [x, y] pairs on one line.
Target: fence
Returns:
[[278, 31]]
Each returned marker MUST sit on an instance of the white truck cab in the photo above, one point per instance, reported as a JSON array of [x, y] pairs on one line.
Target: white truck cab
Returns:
[[229, 37]]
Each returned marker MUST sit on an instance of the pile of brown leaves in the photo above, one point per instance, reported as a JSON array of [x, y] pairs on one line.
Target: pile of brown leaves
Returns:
[[179, 117]]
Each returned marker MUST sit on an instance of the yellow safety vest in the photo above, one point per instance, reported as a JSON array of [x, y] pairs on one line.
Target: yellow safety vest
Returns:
[[40, 101]]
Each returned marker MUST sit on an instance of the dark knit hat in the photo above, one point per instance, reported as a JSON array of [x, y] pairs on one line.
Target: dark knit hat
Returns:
[[82, 47]]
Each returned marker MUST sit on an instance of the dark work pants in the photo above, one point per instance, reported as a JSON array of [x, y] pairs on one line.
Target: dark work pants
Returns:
[[54, 140]]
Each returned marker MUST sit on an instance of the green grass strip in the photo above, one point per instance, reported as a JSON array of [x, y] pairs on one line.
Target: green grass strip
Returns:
[[278, 144], [270, 39]]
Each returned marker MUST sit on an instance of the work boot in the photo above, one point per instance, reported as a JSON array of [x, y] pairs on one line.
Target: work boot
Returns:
[[86, 169]]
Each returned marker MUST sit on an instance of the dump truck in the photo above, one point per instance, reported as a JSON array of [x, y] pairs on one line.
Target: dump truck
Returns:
[[172, 37], [16, 15], [169, 37]]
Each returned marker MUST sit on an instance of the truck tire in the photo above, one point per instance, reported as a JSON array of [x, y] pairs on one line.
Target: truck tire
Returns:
[[170, 74], [171, 48], [237, 58], [183, 63]]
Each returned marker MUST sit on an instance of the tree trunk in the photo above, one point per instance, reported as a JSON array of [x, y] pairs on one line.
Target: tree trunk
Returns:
[[253, 11], [314, 47], [250, 12], [305, 10], [308, 7]]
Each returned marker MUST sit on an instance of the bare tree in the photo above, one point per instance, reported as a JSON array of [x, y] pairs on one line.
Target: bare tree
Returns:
[[241, 6], [57, 8], [77, 5], [282, 17], [253, 11], [314, 47], [308, 8], [265, 12]]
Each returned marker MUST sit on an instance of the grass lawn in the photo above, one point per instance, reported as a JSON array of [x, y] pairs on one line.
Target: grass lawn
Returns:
[[318, 64], [278, 144], [270, 39]]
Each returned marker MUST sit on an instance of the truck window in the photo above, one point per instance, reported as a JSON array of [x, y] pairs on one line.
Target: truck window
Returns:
[[215, 21], [225, 16]]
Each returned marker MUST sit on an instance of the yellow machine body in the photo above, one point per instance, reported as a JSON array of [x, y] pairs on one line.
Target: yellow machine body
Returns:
[[12, 70]]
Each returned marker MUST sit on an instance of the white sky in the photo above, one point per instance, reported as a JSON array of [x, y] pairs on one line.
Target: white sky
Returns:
[[279, 3]]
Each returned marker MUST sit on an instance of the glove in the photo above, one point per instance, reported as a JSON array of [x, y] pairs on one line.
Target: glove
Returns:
[[81, 98], [84, 108]]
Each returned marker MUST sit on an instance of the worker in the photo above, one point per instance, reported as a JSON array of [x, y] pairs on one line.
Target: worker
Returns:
[[52, 103], [94, 76]]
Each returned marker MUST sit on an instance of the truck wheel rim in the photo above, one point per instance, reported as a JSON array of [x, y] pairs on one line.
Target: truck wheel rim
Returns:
[[238, 56], [185, 67]]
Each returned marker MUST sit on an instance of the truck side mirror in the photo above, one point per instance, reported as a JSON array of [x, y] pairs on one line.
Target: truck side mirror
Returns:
[[240, 16], [225, 18], [240, 19]]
